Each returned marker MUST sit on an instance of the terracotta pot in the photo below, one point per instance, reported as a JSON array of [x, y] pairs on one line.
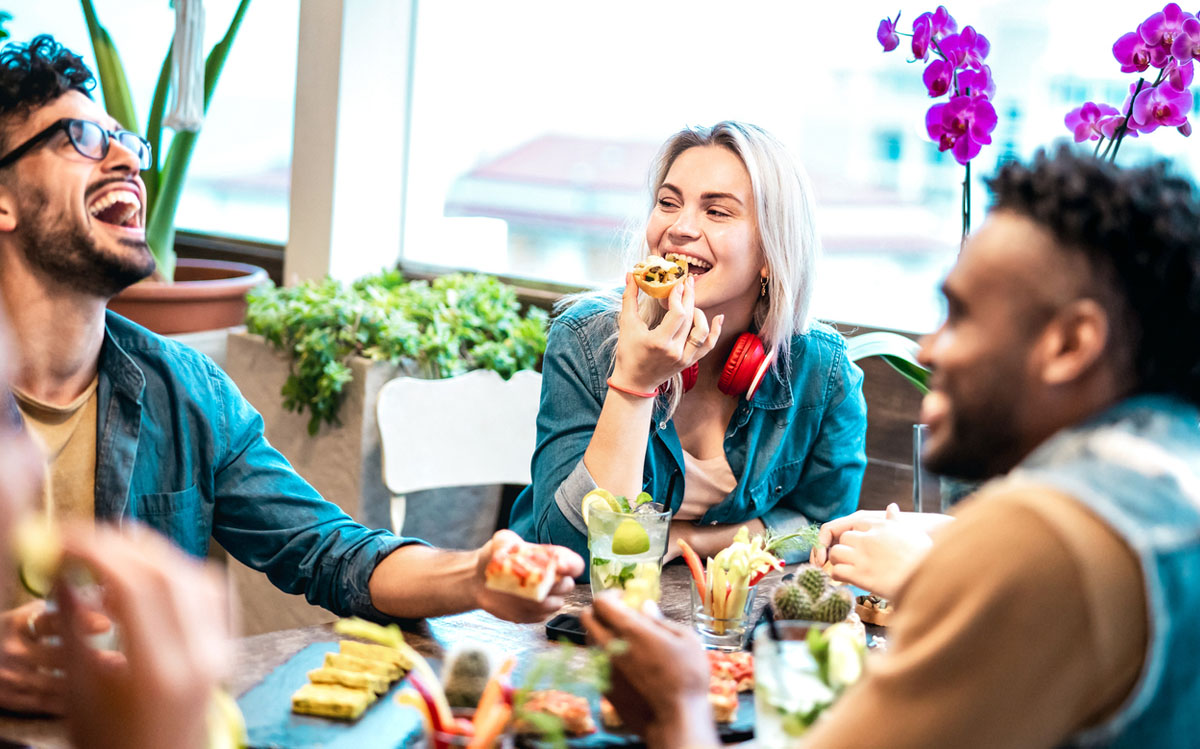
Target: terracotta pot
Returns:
[[207, 294]]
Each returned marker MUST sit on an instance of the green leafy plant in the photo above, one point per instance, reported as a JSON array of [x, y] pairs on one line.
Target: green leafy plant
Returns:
[[5, 17], [165, 177], [899, 352], [455, 324]]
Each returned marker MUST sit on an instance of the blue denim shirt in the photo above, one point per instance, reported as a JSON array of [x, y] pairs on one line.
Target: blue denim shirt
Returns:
[[797, 448], [179, 449], [1137, 467]]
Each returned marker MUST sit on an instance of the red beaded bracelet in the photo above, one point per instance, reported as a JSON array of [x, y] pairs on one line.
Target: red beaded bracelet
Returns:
[[627, 391]]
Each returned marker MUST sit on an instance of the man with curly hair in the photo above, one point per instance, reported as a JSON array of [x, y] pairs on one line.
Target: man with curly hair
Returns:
[[138, 427], [1060, 606]]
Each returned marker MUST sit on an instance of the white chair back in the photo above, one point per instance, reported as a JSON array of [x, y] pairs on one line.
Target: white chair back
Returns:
[[470, 430]]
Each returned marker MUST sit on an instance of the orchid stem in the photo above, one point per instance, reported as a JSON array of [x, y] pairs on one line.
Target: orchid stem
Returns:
[[1119, 136], [966, 204], [1098, 144]]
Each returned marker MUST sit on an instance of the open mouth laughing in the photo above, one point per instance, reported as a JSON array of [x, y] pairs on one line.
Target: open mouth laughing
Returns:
[[118, 207]]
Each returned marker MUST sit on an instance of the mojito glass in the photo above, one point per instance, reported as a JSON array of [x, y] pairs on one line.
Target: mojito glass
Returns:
[[626, 550], [788, 691]]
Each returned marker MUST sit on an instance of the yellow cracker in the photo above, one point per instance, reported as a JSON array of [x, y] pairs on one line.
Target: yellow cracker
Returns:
[[330, 701], [389, 671], [349, 679], [376, 653]]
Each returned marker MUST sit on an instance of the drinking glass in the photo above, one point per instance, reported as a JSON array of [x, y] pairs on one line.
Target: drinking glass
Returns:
[[626, 551], [722, 633], [926, 488], [788, 689]]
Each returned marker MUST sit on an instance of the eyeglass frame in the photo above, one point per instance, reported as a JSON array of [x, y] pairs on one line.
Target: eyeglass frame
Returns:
[[64, 124]]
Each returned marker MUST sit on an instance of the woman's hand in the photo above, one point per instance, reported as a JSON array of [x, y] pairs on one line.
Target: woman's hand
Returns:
[[647, 358]]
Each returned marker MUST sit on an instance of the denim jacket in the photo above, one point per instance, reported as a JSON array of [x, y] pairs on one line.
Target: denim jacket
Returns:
[[797, 448], [179, 449], [1137, 466]]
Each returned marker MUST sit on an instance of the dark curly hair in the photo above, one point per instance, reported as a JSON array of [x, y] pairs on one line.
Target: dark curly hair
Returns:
[[35, 74], [1139, 229]]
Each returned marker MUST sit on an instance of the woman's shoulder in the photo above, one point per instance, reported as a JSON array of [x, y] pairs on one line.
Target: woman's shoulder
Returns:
[[820, 341], [591, 311]]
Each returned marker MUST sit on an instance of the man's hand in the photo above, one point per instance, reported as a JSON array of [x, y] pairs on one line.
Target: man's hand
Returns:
[[514, 608], [876, 551], [660, 682], [174, 640]]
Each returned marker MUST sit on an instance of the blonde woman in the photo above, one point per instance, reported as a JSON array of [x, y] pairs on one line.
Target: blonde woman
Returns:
[[672, 397]]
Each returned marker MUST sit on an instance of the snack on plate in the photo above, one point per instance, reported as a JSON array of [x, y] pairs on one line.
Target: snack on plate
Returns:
[[608, 714], [657, 275], [348, 679], [573, 711], [722, 696], [874, 610], [738, 666], [331, 701], [385, 669], [376, 653], [522, 569]]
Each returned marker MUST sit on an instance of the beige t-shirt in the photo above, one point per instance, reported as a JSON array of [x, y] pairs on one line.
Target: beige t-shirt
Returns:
[[67, 435], [706, 482], [1026, 623]]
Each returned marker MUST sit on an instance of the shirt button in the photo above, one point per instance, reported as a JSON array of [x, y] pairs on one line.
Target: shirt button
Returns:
[[712, 522], [779, 490]]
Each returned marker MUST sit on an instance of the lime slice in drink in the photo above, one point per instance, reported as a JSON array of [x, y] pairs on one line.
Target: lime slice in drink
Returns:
[[598, 499], [846, 653], [39, 552], [630, 538]]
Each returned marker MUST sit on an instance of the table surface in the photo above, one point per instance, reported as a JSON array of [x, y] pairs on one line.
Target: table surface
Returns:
[[257, 656]]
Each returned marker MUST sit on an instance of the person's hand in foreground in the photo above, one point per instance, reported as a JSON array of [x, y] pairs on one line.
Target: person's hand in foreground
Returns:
[[660, 681], [31, 679], [514, 608], [171, 616], [876, 551]]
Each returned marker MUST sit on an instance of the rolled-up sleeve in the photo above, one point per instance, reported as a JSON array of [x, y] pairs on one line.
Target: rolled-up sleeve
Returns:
[[274, 521], [830, 483]]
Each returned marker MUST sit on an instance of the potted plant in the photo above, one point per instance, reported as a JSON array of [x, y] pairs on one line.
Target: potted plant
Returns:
[[184, 295]]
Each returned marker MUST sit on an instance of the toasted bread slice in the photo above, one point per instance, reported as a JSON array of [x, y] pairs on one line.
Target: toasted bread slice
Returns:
[[384, 669], [331, 701], [349, 679], [377, 653]]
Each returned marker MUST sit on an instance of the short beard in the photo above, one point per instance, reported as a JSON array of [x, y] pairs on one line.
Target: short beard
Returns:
[[982, 445], [64, 253]]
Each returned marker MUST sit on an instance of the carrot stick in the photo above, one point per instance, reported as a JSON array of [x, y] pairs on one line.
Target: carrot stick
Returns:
[[489, 728], [693, 562]]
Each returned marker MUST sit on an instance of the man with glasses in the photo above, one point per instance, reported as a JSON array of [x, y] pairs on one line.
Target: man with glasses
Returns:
[[140, 427]]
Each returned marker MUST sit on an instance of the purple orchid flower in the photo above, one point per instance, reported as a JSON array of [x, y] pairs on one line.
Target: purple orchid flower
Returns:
[[922, 33], [977, 82], [1132, 53], [964, 124], [887, 35], [938, 77], [942, 23], [1187, 45], [1108, 127], [969, 48], [1185, 129], [1160, 31], [1179, 77], [1084, 122], [1161, 106]]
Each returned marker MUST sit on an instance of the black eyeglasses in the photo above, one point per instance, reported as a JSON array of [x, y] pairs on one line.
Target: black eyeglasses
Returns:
[[88, 138]]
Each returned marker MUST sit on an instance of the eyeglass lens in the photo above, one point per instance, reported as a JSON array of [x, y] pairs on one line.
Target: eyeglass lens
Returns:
[[91, 140]]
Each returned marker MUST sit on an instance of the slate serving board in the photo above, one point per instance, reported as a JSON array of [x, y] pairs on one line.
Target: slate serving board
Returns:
[[271, 724]]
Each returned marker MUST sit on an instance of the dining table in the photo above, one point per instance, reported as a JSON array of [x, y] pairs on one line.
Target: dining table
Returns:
[[258, 656]]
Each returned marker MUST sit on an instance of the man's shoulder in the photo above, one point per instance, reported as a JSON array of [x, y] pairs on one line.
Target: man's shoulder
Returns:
[[156, 355]]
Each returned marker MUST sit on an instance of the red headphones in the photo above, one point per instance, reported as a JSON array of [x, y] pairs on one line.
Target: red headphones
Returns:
[[744, 370]]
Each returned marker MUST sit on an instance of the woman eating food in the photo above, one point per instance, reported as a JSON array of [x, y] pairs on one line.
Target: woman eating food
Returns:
[[705, 383]]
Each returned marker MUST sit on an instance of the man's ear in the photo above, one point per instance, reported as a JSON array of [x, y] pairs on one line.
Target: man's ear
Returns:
[[8, 209], [1073, 341]]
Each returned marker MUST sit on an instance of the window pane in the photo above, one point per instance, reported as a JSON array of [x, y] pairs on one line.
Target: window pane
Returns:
[[239, 175], [533, 125]]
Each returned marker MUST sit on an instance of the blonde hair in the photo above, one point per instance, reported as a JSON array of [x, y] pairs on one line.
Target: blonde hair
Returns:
[[786, 232]]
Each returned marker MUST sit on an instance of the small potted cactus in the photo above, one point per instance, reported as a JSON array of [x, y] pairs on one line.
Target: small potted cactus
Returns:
[[810, 595]]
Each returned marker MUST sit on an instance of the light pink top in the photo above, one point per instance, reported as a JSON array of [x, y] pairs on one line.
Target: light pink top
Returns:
[[705, 483]]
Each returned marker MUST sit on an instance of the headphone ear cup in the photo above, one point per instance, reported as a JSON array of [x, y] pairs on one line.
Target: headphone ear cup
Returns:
[[690, 375], [743, 365]]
